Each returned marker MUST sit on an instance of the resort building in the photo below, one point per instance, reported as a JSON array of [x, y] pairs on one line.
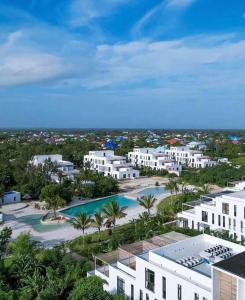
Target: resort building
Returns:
[[191, 158], [10, 197], [64, 168], [224, 211], [150, 157], [175, 266], [109, 164]]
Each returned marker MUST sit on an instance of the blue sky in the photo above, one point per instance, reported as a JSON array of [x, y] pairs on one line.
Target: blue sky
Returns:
[[122, 63]]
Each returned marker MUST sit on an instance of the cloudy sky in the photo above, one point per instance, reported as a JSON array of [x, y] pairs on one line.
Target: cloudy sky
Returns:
[[122, 63]]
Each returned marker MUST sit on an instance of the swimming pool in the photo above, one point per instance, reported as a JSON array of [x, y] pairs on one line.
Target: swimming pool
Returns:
[[92, 207], [35, 222], [153, 191]]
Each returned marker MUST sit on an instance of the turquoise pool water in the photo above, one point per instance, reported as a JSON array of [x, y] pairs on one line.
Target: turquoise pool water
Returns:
[[94, 206], [34, 222], [153, 191]]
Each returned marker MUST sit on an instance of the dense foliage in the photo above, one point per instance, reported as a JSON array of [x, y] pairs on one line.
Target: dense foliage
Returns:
[[29, 271], [15, 173], [220, 175]]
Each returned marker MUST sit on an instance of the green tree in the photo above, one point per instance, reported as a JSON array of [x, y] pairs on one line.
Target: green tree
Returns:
[[147, 202], [113, 211], [81, 222], [170, 186], [90, 288], [98, 222], [54, 203]]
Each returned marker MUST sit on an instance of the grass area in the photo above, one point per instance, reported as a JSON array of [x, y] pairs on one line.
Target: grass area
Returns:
[[173, 204]]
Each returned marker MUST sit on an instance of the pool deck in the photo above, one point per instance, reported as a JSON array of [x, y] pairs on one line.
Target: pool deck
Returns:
[[51, 238]]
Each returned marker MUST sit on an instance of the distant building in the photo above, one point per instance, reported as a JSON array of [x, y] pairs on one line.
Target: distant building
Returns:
[[66, 168], [10, 197], [173, 266], [109, 164], [190, 158], [150, 157]]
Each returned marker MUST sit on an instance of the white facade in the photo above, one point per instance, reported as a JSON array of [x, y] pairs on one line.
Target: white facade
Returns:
[[107, 163], [223, 211], [190, 158], [182, 270], [149, 157], [66, 167], [10, 197]]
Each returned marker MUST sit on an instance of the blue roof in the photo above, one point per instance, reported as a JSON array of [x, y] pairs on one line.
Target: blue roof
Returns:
[[110, 144], [234, 137]]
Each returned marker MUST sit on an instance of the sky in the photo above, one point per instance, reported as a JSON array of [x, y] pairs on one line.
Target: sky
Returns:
[[122, 64]]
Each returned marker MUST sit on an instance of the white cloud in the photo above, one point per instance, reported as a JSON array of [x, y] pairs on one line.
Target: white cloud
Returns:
[[24, 60], [179, 3], [201, 61], [166, 14], [82, 12]]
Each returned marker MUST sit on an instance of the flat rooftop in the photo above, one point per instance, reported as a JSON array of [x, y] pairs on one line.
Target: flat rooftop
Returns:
[[234, 265], [199, 253], [240, 195]]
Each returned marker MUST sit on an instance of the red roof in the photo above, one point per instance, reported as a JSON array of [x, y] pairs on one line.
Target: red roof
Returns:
[[172, 141]]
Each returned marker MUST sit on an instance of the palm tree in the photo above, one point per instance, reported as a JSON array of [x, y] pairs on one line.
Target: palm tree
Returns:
[[82, 221], [113, 211], [54, 203], [170, 186], [205, 189], [98, 222], [147, 202]]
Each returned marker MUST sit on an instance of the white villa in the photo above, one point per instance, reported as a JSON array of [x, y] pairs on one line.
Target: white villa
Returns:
[[190, 158], [149, 157], [223, 211], [65, 167], [175, 267], [109, 164]]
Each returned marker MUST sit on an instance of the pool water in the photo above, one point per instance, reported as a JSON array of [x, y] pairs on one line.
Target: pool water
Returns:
[[35, 222], [92, 207], [153, 191]]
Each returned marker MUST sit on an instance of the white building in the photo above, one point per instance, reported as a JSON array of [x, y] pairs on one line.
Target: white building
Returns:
[[149, 157], [65, 167], [224, 211], [10, 197], [173, 267], [109, 164], [190, 158]]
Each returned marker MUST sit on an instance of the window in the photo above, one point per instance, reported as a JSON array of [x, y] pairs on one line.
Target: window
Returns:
[[179, 292], [234, 224], [225, 208], [204, 216], [196, 296], [132, 292], [164, 288], [141, 295], [146, 297], [223, 221], [204, 298], [234, 210], [192, 224], [120, 286], [149, 280], [212, 218], [219, 220]]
